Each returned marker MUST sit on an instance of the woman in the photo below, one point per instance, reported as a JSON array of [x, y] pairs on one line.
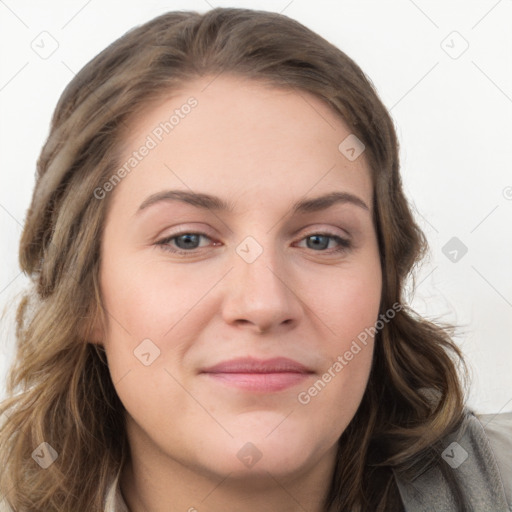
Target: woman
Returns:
[[219, 242]]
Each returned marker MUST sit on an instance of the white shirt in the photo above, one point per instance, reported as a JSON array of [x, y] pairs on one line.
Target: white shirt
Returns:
[[114, 501]]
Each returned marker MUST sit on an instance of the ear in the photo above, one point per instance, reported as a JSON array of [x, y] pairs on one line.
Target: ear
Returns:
[[95, 333], [92, 330]]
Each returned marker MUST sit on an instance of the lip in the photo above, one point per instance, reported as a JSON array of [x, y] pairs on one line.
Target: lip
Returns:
[[259, 375]]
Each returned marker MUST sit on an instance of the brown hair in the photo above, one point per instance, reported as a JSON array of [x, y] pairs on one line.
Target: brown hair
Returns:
[[60, 387]]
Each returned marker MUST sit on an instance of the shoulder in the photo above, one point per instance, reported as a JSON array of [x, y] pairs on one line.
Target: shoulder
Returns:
[[498, 430], [477, 456]]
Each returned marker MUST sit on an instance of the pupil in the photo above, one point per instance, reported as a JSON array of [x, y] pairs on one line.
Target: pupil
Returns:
[[316, 243], [187, 240]]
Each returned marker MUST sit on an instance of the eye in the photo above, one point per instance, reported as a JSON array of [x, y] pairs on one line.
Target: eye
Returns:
[[187, 243], [320, 241]]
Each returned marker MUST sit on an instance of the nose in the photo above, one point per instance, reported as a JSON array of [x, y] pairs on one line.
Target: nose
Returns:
[[261, 295]]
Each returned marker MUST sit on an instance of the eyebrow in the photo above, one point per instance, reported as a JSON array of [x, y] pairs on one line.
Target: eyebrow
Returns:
[[214, 203]]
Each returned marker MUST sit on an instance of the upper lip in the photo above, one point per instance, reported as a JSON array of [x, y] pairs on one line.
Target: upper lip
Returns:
[[254, 365]]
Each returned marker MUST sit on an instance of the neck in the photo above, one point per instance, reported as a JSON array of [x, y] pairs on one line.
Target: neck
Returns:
[[176, 488]]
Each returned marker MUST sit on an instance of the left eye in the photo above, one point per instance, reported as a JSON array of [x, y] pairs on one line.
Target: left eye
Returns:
[[321, 241], [187, 242]]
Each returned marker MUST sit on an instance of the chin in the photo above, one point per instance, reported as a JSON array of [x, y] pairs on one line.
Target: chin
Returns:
[[260, 455]]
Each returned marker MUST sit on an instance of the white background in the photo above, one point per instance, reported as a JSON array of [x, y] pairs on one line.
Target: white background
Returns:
[[452, 110]]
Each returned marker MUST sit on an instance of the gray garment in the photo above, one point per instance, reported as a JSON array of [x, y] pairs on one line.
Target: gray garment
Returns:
[[480, 456]]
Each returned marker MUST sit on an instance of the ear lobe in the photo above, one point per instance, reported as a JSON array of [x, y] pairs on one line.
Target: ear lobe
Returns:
[[95, 335], [93, 332]]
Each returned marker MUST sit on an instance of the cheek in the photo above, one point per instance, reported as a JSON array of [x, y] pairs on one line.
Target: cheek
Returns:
[[331, 401], [348, 301], [147, 317], [349, 307], [153, 309], [148, 298]]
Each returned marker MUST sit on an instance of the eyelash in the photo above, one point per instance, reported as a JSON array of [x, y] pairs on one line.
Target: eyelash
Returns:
[[344, 244]]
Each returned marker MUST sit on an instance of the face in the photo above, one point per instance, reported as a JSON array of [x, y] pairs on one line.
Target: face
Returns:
[[232, 316]]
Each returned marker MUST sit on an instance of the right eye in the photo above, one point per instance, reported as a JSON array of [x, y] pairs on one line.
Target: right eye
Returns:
[[187, 242]]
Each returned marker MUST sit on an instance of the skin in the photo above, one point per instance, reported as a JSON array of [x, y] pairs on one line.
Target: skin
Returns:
[[262, 149]]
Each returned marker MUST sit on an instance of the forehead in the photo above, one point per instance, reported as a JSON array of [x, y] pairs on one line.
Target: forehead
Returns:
[[231, 133]]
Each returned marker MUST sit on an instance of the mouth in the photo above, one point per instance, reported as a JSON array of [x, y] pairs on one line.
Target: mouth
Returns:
[[259, 375]]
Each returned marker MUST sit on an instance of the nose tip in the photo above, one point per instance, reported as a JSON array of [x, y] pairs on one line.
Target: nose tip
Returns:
[[261, 327]]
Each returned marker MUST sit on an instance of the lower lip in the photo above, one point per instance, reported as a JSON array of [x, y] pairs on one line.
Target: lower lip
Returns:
[[263, 382]]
